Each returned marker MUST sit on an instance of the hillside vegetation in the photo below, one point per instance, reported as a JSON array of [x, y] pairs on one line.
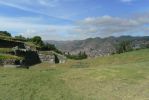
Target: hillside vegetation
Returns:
[[117, 77]]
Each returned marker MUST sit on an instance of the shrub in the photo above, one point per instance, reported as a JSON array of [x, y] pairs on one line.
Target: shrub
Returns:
[[56, 59], [37, 40]]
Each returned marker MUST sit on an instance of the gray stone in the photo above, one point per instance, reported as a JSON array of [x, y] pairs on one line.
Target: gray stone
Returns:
[[49, 56], [8, 62]]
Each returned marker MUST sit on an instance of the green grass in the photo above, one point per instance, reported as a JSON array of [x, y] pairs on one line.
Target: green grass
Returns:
[[117, 77], [31, 44], [5, 50], [3, 37], [7, 56]]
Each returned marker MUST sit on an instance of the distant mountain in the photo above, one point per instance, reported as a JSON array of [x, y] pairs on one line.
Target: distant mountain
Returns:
[[99, 46]]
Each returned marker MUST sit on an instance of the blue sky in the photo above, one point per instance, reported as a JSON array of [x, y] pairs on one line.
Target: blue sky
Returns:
[[74, 19]]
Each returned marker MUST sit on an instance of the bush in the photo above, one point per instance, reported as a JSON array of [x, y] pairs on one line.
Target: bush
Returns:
[[20, 37], [56, 59], [50, 47], [37, 41]]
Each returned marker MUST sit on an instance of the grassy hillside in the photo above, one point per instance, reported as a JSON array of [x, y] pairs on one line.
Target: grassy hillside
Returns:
[[117, 59], [117, 77]]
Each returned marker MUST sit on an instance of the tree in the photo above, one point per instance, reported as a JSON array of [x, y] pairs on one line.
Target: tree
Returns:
[[50, 47], [20, 37], [56, 59], [124, 46], [5, 33], [37, 40], [84, 55]]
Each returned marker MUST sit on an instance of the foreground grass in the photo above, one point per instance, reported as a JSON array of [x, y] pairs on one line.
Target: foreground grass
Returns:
[[118, 77]]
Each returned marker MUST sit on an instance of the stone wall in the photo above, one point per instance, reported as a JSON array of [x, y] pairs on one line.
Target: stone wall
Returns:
[[10, 44], [47, 58], [30, 57], [62, 59], [9, 62], [33, 57], [51, 57]]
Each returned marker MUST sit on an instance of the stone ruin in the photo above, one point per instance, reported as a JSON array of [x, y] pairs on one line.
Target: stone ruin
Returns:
[[33, 57], [51, 57]]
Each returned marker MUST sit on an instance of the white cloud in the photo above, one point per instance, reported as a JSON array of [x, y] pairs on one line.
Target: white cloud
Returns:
[[108, 20], [103, 26], [29, 27], [111, 26]]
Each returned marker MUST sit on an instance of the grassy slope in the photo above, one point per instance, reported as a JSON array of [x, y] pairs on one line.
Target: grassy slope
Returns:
[[7, 56], [3, 37], [5, 50], [117, 77]]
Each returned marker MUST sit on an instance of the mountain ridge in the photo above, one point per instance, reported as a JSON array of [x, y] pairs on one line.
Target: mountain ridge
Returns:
[[99, 46]]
